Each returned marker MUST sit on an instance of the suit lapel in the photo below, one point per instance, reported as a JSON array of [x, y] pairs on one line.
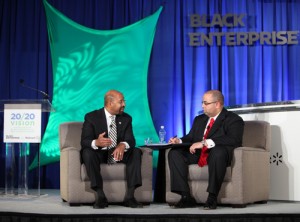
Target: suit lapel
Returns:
[[120, 121], [101, 122], [218, 123], [202, 128]]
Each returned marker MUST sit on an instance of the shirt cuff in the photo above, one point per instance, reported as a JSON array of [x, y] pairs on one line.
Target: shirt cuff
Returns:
[[93, 145], [96, 148], [126, 146], [210, 143]]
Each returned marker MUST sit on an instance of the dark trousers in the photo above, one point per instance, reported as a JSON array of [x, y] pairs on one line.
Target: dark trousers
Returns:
[[181, 158], [93, 158]]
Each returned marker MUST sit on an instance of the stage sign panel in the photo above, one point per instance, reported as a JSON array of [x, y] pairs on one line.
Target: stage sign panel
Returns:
[[22, 123]]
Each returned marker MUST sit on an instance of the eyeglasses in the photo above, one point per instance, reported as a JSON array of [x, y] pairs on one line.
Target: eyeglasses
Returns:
[[207, 103]]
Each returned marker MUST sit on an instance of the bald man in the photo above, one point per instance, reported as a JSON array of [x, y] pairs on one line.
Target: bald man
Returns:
[[95, 142]]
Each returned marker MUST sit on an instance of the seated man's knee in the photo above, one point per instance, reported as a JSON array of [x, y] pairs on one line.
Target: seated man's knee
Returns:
[[87, 154], [135, 153], [218, 153], [173, 154]]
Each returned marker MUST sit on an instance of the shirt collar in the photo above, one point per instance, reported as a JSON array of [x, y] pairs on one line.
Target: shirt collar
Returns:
[[107, 114], [215, 117]]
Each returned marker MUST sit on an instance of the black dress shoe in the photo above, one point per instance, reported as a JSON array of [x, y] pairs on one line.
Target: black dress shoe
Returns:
[[210, 205], [186, 202], [100, 203], [132, 203]]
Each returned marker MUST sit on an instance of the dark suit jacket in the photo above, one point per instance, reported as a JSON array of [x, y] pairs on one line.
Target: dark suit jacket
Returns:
[[227, 131], [95, 123]]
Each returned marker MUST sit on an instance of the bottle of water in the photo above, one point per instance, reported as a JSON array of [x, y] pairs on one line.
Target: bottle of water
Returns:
[[162, 134]]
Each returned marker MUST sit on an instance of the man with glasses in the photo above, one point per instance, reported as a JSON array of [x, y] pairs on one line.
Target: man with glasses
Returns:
[[213, 136], [107, 137]]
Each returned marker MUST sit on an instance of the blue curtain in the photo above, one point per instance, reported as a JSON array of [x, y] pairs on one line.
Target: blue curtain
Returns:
[[178, 73]]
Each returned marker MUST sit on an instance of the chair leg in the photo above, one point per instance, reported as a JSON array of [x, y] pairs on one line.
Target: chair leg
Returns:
[[71, 204], [238, 205], [171, 204], [146, 203], [262, 202], [74, 204]]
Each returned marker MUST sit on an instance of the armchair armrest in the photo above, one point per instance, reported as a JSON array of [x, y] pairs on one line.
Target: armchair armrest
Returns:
[[250, 171]]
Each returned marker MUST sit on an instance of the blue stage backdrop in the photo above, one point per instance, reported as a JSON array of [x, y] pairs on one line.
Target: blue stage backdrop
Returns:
[[247, 49]]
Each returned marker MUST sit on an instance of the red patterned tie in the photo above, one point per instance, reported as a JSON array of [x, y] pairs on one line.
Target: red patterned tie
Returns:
[[204, 153]]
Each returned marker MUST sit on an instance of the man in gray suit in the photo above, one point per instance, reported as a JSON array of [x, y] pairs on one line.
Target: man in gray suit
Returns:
[[95, 144], [214, 135]]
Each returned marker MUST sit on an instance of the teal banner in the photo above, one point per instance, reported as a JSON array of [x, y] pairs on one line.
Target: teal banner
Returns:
[[87, 63]]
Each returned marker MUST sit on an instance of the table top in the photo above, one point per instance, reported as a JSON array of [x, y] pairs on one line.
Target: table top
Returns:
[[162, 146]]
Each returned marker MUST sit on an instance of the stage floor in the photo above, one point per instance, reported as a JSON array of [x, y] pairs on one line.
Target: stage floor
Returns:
[[50, 203]]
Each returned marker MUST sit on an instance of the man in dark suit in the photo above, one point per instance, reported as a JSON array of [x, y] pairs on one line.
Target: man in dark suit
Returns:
[[225, 133], [96, 147]]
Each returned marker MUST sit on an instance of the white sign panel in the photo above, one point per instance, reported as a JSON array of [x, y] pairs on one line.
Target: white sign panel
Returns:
[[22, 123]]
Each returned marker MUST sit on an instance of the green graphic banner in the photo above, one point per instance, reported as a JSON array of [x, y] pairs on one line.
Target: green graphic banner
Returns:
[[88, 62]]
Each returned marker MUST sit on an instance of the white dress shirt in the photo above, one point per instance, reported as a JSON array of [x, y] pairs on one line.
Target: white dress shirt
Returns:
[[108, 122]]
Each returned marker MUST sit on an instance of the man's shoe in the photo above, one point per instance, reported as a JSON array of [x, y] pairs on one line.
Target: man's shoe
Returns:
[[132, 203], [186, 202], [210, 205], [100, 203]]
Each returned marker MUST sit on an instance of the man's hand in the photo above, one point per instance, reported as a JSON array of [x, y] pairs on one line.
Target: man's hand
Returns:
[[174, 140], [118, 153], [195, 146], [102, 141]]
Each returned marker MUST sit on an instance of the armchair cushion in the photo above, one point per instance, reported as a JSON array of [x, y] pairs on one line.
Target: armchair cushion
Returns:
[[111, 172], [197, 173]]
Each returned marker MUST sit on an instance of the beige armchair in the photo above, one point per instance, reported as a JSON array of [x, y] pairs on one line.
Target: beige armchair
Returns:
[[247, 179], [74, 182]]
